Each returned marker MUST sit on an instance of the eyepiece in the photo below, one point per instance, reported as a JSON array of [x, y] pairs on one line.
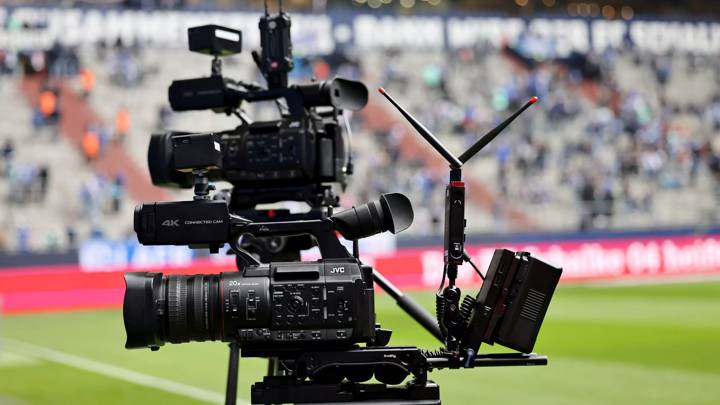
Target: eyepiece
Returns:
[[339, 93], [392, 212]]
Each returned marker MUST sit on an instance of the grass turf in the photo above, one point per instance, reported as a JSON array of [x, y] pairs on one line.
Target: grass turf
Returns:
[[621, 345]]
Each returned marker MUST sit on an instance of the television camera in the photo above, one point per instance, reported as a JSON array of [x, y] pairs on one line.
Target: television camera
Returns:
[[314, 321], [294, 158]]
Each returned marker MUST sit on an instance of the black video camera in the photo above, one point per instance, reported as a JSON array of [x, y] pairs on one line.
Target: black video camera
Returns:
[[290, 305], [314, 321], [294, 158]]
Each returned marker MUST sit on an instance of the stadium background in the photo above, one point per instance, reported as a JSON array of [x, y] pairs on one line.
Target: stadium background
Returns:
[[612, 175]]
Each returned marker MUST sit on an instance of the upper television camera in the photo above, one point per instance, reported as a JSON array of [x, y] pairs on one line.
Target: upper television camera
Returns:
[[295, 158]]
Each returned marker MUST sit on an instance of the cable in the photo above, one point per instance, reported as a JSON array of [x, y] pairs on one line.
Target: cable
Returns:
[[349, 169], [442, 282], [466, 257]]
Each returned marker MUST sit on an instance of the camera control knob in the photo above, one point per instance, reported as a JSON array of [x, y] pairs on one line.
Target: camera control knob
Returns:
[[296, 304]]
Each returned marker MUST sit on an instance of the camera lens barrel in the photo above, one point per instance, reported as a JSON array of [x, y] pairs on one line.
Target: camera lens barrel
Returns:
[[289, 303], [142, 310], [174, 308], [184, 308]]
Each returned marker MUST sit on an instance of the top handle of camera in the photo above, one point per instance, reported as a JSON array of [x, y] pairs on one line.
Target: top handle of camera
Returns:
[[450, 318]]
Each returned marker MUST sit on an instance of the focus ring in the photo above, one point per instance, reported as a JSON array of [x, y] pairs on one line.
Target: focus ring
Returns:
[[177, 313], [199, 307]]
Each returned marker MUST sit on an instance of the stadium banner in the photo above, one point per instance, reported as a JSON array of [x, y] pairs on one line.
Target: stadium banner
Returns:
[[96, 281], [26, 28]]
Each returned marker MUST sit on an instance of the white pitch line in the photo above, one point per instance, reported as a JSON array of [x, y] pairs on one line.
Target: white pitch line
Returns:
[[638, 282], [119, 373]]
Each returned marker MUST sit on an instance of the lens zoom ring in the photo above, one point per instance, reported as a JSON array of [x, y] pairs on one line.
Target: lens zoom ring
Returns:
[[177, 313], [198, 302]]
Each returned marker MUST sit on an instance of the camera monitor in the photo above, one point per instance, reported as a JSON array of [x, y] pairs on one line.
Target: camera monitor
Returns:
[[512, 302]]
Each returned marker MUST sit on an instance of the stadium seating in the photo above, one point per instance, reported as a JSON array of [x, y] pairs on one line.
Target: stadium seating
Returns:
[[629, 148], [45, 222]]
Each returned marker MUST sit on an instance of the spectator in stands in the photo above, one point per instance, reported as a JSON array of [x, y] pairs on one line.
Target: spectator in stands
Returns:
[[4, 68], [22, 235], [590, 209], [125, 70], [117, 193], [62, 61], [91, 144], [321, 69], [48, 106], [26, 183], [165, 115], [71, 237], [43, 178], [105, 134], [87, 81], [8, 154], [122, 124], [52, 241]]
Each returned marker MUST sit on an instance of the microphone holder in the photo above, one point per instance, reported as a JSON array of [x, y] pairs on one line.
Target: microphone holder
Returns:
[[448, 303]]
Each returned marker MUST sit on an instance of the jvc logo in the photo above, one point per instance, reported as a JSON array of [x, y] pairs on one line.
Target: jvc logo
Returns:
[[171, 222], [336, 270]]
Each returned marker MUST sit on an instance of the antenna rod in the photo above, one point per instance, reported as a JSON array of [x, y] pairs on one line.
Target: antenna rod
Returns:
[[454, 162], [487, 138], [266, 9], [280, 6]]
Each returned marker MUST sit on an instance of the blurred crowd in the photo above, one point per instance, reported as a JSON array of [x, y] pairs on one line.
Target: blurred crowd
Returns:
[[615, 142], [613, 133], [31, 175]]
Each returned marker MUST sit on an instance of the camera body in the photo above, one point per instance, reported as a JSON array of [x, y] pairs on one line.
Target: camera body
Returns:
[[291, 304], [266, 306], [266, 162]]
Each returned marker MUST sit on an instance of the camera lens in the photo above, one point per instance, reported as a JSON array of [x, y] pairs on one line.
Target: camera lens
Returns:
[[174, 309], [141, 313], [192, 307], [179, 308]]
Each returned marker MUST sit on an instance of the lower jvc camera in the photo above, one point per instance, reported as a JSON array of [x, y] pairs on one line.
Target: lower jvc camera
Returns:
[[295, 304], [263, 306]]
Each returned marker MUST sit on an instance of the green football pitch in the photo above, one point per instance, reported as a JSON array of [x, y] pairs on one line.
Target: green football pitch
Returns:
[[607, 345]]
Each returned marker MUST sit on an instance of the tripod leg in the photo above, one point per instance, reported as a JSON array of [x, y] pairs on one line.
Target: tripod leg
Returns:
[[272, 366], [232, 379], [412, 308]]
